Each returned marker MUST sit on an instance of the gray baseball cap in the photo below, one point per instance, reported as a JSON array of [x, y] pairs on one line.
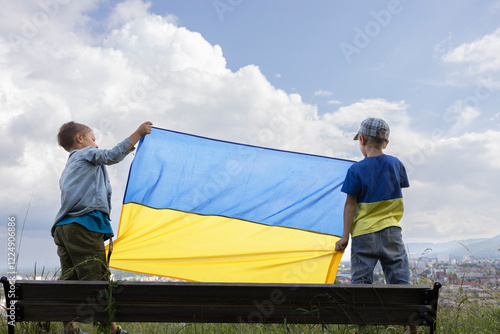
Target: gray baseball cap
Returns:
[[371, 127]]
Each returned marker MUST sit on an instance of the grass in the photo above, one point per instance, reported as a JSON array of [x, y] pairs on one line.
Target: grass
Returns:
[[463, 312], [456, 314], [191, 328]]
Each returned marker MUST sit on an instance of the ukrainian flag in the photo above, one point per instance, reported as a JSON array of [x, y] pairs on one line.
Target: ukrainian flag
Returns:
[[207, 210]]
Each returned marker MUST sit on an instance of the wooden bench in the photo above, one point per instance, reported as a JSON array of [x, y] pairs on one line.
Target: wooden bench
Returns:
[[29, 300]]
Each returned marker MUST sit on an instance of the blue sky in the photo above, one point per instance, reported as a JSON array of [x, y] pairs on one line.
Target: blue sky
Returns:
[[301, 41], [301, 47], [291, 75]]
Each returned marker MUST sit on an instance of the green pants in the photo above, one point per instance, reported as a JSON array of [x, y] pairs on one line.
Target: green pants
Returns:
[[81, 253]]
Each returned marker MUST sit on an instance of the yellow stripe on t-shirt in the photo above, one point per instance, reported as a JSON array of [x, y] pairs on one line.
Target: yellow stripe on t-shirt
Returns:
[[373, 217]]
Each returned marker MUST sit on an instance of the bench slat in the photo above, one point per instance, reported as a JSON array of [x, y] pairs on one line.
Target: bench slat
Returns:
[[151, 312], [230, 293]]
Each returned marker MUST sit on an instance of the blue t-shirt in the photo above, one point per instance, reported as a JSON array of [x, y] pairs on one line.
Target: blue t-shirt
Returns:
[[96, 221], [376, 183]]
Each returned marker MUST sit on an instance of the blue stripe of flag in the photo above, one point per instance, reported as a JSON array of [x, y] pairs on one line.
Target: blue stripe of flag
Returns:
[[189, 173]]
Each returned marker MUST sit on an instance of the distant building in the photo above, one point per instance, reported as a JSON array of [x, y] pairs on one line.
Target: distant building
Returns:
[[443, 257]]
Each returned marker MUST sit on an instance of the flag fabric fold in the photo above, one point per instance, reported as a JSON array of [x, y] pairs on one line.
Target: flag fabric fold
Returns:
[[200, 209]]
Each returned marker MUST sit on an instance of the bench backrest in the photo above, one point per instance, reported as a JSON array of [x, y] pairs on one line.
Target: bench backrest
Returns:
[[225, 302]]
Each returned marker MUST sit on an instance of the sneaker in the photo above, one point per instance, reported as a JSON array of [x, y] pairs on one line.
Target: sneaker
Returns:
[[120, 331]]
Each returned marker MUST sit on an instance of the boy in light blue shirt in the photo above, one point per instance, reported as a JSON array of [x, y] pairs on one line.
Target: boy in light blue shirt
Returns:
[[82, 223]]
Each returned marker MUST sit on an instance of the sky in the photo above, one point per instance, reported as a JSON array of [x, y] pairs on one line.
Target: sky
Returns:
[[292, 75]]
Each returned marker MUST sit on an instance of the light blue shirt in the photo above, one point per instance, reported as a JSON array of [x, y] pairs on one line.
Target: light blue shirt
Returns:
[[84, 182]]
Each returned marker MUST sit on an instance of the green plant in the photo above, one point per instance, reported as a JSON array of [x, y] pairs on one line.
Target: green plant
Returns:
[[105, 294]]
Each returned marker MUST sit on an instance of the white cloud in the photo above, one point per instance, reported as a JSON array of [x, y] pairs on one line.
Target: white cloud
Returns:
[[450, 188], [334, 102], [322, 92], [481, 54], [443, 46], [393, 112], [127, 11], [460, 114], [153, 41], [24, 22], [147, 68]]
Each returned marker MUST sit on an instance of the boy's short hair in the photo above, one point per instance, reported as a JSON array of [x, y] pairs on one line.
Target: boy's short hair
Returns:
[[378, 141], [67, 133]]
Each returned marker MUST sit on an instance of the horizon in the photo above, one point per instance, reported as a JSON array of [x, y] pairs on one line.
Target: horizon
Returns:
[[345, 257]]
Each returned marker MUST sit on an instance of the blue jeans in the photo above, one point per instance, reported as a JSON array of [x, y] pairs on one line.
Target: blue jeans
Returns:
[[388, 247]]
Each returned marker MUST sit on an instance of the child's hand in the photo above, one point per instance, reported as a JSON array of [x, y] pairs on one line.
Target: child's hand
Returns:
[[144, 129], [341, 244]]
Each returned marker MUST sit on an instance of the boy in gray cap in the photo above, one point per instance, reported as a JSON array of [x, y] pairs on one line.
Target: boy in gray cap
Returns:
[[373, 209]]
